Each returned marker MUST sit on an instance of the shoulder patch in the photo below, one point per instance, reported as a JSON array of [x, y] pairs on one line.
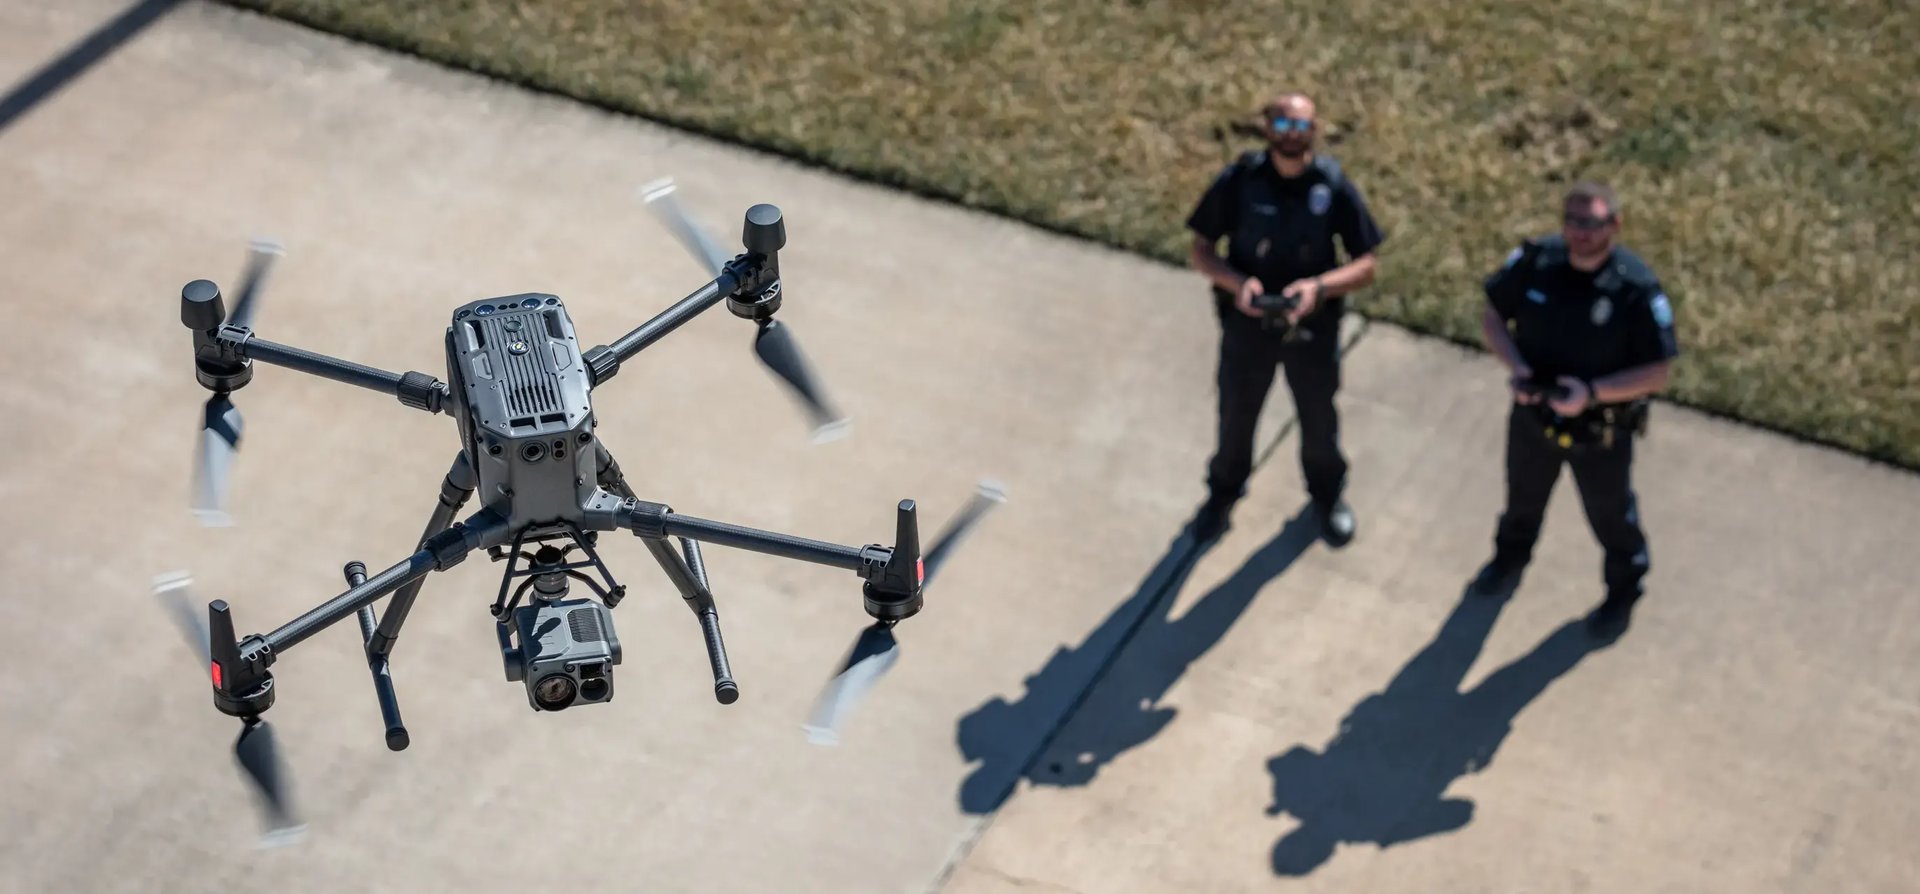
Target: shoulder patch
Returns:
[[1513, 256], [1662, 311]]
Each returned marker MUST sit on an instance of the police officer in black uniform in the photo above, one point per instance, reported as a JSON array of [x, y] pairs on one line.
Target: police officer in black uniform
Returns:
[[1592, 339], [1281, 209]]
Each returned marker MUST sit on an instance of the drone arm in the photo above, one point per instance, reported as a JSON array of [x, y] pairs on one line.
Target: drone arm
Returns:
[[753, 275], [605, 361], [894, 575], [414, 389], [223, 354], [655, 521], [441, 552]]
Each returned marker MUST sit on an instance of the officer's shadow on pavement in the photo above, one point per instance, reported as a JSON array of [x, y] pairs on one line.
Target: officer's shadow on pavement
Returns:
[[1146, 653], [1384, 776]]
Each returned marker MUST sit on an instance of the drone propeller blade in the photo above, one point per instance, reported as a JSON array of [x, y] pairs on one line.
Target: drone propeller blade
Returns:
[[986, 494], [659, 197], [219, 441], [174, 590], [259, 756], [775, 346], [874, 653], [254, 749], [259, 261]]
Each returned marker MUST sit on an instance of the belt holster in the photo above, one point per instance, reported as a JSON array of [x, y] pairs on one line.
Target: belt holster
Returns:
[[1601, 427]]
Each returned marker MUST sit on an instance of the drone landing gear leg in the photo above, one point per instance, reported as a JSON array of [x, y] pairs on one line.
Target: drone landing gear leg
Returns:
[[689, 576], [379, 633], [377, 663]]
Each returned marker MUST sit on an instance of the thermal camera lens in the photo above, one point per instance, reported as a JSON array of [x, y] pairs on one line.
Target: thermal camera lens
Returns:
[[594, 690]]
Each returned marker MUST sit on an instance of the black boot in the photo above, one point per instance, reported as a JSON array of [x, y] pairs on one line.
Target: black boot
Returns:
[[1211, 521], [1337, 522], [1613, 616], [1497, 579]]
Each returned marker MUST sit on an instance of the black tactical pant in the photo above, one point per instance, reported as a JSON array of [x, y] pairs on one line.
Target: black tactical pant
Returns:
[[1602, 474], [1249, 358]]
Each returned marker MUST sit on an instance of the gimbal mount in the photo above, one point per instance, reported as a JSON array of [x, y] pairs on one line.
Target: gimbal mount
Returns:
[[520, 388]]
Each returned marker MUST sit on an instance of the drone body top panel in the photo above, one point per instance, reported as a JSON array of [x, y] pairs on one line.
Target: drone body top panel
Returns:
[[522, 397]]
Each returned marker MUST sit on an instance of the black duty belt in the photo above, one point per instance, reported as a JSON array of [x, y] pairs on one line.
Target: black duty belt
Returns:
[[1599, 426]]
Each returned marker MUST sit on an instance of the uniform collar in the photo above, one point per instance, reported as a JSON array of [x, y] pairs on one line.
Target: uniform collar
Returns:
[[1606, 276], [1272, 167]]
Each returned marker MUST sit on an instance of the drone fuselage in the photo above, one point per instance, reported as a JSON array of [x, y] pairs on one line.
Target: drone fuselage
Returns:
[[522, 396]]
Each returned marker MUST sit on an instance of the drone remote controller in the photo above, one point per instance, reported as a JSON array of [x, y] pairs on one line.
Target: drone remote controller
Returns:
[[520, 388]]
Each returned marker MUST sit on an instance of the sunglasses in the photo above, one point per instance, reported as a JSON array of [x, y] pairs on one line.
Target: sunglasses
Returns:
[[1295, 125], [1587, 222]]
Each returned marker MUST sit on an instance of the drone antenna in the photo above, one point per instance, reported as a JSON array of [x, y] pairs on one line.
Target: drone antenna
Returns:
[[244, 689]]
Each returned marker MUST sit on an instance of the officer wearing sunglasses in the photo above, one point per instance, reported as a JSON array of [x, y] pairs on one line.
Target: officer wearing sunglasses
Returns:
[[1586, 330], [1286, 211]]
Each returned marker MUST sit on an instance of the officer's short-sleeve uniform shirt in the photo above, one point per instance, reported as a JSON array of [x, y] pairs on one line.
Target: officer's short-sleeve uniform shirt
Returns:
[[1282, 229], [1584, 324]]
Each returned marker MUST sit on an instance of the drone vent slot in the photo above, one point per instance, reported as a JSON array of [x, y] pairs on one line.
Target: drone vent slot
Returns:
[[529, 389], [584, 624]]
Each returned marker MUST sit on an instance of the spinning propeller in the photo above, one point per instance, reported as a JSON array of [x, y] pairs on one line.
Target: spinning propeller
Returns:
[[254, 749], [774, 343], [221, 427], [876, 650]]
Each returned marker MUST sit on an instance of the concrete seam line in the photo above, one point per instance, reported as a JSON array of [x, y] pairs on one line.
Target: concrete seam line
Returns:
[[971, 837]]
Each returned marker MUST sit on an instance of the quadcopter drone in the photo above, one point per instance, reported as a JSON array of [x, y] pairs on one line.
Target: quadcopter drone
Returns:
[[520, 388]]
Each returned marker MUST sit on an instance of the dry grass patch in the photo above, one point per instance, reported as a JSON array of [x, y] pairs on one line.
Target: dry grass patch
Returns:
[[1765, 151]]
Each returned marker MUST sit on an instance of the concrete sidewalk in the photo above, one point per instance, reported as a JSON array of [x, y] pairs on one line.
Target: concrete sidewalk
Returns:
[[1295, 719], [1754, 731]]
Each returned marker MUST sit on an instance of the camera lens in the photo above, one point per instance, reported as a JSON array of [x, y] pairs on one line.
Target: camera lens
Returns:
[[594, 690], [553, 692], [532, 452]]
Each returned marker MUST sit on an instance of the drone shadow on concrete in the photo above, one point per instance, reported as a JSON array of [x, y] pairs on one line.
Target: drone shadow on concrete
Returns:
[[1048, 739], [69, 66], [1383, 778]]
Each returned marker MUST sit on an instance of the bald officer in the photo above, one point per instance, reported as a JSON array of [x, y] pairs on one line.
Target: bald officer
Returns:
[[1286, 211]]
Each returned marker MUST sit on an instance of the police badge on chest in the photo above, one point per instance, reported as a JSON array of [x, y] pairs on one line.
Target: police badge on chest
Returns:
[[1319, 199], [1602, 311]]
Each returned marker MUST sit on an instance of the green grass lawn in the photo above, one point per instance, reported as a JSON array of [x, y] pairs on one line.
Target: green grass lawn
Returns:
[[1764, 152]]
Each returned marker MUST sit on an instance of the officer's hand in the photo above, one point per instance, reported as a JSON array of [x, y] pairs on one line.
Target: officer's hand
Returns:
[[1305, 294], [1577, 397], [1522, 374], [1249, 288]]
